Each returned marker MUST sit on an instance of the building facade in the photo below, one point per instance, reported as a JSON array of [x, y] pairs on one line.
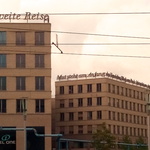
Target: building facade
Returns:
[[82, 105], [25, 78]]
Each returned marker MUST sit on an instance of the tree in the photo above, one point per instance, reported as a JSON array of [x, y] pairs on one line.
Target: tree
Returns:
[[126, 140], [103, 139], [141, 144]]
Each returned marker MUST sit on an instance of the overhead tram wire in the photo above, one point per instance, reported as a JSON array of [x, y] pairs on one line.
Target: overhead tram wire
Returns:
[[99, 13], [96, 44], [102, 55], [80, 33]]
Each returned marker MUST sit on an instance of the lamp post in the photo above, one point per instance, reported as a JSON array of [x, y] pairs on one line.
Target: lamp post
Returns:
[[24, 110], [147, 96]]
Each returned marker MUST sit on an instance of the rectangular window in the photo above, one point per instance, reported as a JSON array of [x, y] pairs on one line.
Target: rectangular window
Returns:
[[19, 107], [71, 130], [20, 38], [89, 115], [39, 105], [39, 38], [70, 102], [62, 130], [99, 101], [20, 61], [2, 38], [2, 61], [113, 88], [2, 83], [62, 103], [62, 116], [89, 101], [80, 115], [71, 89], [20, 83], [118, 129], [80, 129], [39, 60], [71, 116], [61, 89], [99, 114], [39, 83], [98, 86], [2, 105], [89, 88], [79, 88], [80, 102], [89, 129]]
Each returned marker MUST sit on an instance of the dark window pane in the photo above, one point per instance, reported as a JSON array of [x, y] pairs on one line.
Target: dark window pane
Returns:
[[61, 89], [19, 107], [39, 60], [79, 88], [39, 38], [71, 89], [2, 38], [2, 105], [39, 105], [20, 60], [2, 60], [99, 101], [20, 38], [39, 83], [20, 83], [89, 88], [99, 87], [2, 83]]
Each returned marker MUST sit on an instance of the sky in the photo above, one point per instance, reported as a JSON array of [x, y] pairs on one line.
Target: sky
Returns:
[[125, 25]]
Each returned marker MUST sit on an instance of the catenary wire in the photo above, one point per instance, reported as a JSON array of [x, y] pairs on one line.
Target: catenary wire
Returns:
[[131, 56], [78, 54], [79, 33], [97, 13]]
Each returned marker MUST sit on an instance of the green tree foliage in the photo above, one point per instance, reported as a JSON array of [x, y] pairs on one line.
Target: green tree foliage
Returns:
[[127, 140], [141, 144], [103, 139]]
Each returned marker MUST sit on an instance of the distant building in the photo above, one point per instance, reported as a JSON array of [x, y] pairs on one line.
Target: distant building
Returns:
[[25, 76], [82, 105]]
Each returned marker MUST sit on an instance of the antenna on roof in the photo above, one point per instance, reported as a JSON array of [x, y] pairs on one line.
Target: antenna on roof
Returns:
[[57, 44]]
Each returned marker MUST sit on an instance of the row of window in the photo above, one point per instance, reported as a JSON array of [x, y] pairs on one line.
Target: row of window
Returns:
[[80, 102], [89, 88], [89, 114], [125, 92], [131, 131], [21, 38], [80, 129], [127, 118], [115, 129], [39, 105], [126, 105], [21, 60], [21, 83]]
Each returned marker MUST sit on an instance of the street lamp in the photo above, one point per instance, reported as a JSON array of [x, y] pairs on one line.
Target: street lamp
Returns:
[[24, 110], [147, 96]]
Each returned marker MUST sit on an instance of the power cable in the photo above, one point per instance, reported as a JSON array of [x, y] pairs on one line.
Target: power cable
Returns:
[[76, 44], [96, 13], [97, 34], [79, 33], [102, 55]]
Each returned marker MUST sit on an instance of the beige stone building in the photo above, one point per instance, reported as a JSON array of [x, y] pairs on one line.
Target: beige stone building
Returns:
[[82, 105], [25, 73]]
